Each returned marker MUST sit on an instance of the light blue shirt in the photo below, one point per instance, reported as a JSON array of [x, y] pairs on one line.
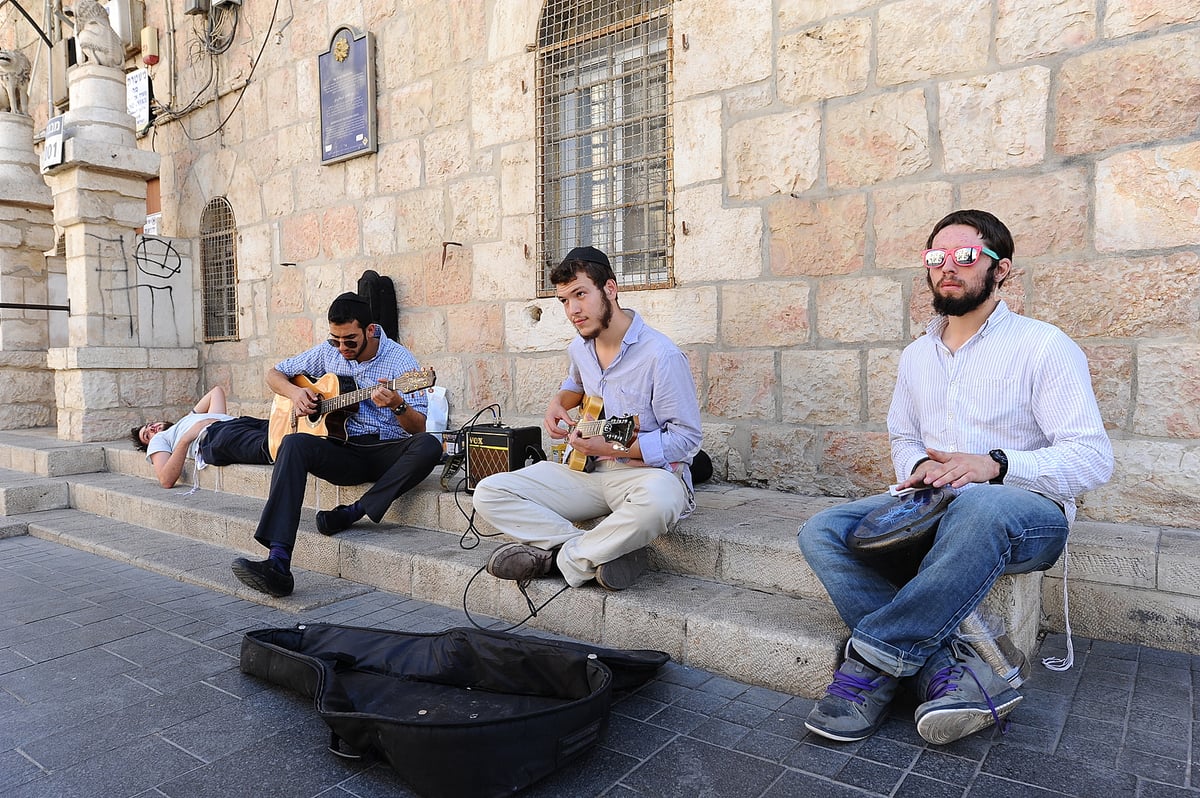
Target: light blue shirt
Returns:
[[649, 378], [390, 361], [1018, 384]]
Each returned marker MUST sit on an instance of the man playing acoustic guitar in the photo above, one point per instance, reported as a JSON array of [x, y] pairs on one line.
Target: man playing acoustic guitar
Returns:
[[643, 482], [385, 441]]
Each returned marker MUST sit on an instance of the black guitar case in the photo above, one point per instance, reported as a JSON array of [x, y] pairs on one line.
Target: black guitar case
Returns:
[[465, 712], [380, 294]]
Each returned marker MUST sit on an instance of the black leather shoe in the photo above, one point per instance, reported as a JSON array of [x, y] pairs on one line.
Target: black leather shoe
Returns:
[[520, 562], [264, 576], [623, 571], [330, 522]]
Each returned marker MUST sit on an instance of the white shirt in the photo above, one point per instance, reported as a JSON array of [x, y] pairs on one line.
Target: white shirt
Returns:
[[165, 441], [1020, 385]]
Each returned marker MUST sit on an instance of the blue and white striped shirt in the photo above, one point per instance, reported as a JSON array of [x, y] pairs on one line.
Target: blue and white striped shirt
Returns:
[[1018, 384], [389, 362]]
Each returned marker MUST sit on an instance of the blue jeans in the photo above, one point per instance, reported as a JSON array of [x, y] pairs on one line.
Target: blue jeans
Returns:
[[987, 531]]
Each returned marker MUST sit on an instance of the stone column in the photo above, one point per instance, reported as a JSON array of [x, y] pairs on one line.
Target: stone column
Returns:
[[101, 379], [26, 232]]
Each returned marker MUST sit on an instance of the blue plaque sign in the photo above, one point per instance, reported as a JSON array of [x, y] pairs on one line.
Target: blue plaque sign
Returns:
[[347, 77]]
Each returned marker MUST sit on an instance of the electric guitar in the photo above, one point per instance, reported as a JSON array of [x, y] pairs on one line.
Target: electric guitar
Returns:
[[328, 419], [619, 430]]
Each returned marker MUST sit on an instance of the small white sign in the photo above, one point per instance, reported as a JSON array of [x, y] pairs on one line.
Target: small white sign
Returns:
[[152, 221], [137, 98], [52, 144]]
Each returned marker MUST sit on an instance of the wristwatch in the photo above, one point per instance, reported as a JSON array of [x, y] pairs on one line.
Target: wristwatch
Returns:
[[1000, 457], [402, 409]]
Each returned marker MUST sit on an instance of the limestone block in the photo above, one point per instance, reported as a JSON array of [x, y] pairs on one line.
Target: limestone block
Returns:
[[878, 138], [502, 270], [860, 309], [830, 60], [475, 327], [1123, 17], [1049, 211], [653, 619], [795, 13], [742, 385], [904, 215], [1138, 92], [487, 380], [853, 464], [32, 497], [381, 566], [420, 220], [686, 314], [761, 314], [378, 217], [714, 60], [950, 39], [277, 198], [474, 209], [512, 24], [882, 367], [1146, 199], [340, 232], [995, 121], [1120, 297], [501, 103], [776, 154], [1112, 381], [821, 387], [783, 458], [1032, 30], [447, 154], [1179, 562], [1168, 391], [448, 280], [697, 139], [1111, 554], [255, 249], [819, 237], [1122, 614], [1155, 482], [537, 379], [518, 173], [735, 233]]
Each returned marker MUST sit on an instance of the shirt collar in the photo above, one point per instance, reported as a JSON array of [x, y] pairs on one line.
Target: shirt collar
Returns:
[[938, 323]]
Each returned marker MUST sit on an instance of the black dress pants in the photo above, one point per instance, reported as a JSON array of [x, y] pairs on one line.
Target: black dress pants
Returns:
[[394, 466]]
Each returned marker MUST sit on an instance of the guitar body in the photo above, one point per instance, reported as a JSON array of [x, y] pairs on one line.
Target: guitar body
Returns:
[[336, 400], [620, 430], [284, 421]]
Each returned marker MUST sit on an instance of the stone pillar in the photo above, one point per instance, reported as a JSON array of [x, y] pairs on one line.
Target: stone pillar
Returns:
[[102, 382], [26, 232]]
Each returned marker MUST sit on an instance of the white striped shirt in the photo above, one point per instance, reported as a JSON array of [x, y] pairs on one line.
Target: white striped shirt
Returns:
[[1020, 385]]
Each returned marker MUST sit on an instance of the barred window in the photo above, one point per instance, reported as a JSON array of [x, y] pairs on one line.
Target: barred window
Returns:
[[604, 136], [218, 270]]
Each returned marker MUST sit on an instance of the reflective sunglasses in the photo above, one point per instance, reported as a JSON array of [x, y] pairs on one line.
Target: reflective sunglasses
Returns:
[[963, 256], [348, 341]]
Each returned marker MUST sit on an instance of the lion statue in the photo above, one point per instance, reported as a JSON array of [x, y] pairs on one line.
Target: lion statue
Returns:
[[95, 40], [14, 82]]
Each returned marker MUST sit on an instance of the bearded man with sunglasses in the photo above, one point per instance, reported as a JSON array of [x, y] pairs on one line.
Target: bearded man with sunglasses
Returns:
[[386, 441], [999, 409]]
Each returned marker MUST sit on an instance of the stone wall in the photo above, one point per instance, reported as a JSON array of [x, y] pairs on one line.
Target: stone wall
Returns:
[[814, 148]]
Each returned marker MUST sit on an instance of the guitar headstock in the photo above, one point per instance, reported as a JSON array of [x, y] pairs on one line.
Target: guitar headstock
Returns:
[[620, 429], [417, 380]]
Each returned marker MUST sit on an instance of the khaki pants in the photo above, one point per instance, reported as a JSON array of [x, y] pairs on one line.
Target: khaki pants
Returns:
[[539, 504]]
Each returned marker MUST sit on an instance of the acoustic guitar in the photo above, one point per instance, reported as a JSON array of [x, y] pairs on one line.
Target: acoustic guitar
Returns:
[[619, 430], [336, 399]]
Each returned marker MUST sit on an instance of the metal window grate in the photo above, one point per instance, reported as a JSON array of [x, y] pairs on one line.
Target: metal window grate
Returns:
[[604, 136], [218, 270]]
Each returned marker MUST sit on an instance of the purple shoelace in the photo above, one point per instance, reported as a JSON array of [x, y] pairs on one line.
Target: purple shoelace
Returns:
[[944, 682], [851, 687]]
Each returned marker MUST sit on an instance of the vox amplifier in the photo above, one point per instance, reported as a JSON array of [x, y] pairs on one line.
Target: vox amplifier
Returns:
[[491, 449]]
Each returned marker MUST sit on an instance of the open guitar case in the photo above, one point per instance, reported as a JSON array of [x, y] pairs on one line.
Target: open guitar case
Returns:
[[465, 712]]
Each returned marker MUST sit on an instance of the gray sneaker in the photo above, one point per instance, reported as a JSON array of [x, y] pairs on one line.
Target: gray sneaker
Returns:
[[520, 562], [855, 703], [962, 696]]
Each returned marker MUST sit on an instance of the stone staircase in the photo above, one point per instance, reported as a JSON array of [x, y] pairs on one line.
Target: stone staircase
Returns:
[[730, 591]]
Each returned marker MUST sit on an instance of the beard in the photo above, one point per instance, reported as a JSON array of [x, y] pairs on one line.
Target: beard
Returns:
[[605, 320], [962, 305]]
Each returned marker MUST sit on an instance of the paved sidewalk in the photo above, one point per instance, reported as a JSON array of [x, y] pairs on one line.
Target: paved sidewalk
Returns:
[[119, 682]]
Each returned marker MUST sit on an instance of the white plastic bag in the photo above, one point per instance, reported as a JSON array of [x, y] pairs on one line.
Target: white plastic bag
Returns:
[[438, 417]]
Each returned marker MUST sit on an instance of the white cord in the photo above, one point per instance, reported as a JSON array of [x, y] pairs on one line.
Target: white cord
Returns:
[[1064, 663]]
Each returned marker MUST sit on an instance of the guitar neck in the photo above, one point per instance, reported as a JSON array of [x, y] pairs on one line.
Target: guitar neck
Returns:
[[588, 429], [345, 400]]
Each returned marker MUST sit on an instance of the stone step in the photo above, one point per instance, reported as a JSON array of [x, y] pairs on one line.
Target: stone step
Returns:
[[40, 452], [780, 642], [21, 492]]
